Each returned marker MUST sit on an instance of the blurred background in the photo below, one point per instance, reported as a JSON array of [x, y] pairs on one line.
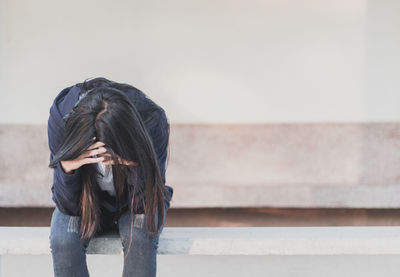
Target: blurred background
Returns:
[[282, 113]]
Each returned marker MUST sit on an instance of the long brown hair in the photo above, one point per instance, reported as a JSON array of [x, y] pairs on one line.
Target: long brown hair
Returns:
[[108, 114]]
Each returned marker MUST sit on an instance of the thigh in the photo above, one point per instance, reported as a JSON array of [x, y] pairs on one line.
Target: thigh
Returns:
[[137, 222], [64, 231], [133, 226]]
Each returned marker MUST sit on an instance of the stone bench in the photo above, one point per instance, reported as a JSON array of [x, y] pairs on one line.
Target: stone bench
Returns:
[[381, 240]]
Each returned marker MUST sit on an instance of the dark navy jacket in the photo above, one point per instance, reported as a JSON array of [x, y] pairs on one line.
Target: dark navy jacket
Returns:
[[67, 188]]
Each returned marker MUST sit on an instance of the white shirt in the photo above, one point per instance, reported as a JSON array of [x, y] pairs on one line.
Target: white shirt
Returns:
[[107, 182]]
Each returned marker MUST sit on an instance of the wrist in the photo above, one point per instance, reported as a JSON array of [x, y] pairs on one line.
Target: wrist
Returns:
[[66, 169]]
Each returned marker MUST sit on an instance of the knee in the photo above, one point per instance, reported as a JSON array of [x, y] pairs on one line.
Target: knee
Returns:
[[64, 232], [64, 241]]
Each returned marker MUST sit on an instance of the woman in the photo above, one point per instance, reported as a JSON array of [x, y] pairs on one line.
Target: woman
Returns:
[[108, 144]]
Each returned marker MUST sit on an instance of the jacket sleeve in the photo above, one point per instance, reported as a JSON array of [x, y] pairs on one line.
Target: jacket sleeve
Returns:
[[160, 138], [66, 188]]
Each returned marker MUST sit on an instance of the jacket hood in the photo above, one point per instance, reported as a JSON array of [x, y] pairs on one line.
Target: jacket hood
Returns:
[[63, 104]]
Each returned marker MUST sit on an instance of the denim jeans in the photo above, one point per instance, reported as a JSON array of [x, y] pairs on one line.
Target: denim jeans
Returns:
[[69, 251]]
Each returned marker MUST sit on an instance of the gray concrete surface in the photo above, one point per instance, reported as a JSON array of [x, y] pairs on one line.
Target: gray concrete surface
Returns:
[[263, 251], [347, 240], [217, 266]]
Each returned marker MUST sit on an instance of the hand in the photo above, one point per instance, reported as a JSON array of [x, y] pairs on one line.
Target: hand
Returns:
[[85, 158]]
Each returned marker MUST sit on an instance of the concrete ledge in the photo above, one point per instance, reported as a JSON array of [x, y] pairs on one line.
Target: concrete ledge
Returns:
[[335, 165], [340, 240]]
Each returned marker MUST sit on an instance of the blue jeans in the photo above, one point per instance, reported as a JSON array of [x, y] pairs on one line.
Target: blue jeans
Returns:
[[69, 251]]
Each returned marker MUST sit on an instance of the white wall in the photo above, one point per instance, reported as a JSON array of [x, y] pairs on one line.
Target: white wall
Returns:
[[210, 60]]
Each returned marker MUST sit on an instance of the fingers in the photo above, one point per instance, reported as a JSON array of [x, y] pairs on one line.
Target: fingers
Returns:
[[94, 152], [96, 145], [92, 160]]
